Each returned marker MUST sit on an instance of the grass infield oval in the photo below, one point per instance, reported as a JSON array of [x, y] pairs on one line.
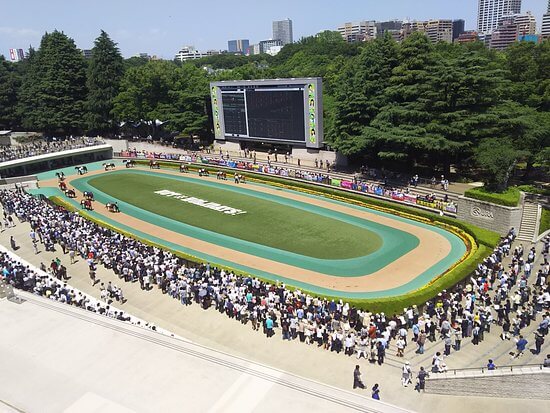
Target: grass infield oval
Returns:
[[267, 223]]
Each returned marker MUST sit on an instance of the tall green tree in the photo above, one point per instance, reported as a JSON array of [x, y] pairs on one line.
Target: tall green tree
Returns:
[[144, 89], [54, 91], [9, 84], [27, 97], [497, 158], [464, 87], [359, 94], [104, 74], [399, 129], [190, 98], [528, 68]]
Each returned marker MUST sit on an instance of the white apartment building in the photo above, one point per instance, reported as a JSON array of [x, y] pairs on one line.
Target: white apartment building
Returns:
[[545, 29], [358, 31], [490, 11], [440, 30], [188, 53]]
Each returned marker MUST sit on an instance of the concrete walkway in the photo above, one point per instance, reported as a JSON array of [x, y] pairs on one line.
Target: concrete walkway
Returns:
[[214, 330], [65, 367]]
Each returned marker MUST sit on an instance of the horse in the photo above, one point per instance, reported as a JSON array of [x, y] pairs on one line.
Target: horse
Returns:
[[221, 175], [86, 204], [184, 168], [62, 186], [129, 163], [81, 169], [88, 195], [70, 193], [109, 166], [112, 207], [154, 164], [240, 179], [60, 175], [203, 172]]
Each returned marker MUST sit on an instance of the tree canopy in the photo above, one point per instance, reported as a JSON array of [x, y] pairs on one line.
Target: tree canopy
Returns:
[[53, 91], [396, 105], [104, 73]]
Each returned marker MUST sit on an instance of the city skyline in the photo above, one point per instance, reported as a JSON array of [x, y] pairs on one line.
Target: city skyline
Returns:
[[162, 29]]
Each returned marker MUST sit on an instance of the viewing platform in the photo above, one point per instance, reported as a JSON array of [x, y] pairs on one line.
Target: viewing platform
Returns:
[[40, 163]]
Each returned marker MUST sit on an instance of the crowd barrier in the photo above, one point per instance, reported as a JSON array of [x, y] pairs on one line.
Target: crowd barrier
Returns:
[[395, 194]]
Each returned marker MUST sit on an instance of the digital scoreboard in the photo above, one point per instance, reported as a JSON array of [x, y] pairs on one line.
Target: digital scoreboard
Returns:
[[269, 110]]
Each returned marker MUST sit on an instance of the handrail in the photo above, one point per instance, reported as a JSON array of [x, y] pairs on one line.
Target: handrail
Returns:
[[483, 369]]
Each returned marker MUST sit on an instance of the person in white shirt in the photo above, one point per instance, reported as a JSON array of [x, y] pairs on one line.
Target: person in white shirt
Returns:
[[362, 347], [406, 374], [400, 344]]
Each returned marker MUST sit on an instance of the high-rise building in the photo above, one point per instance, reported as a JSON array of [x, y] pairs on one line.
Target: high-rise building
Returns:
[[188, 53], [490, 11], [253, 49], [436, 30], [282, 30], [238, 46], [458, 28], [392, 26], [511, 28], [545, 29], [527, 24], [440, 30], [358, 31]]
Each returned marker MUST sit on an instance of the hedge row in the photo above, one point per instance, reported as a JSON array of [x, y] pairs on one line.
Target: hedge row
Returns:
[[544, 221], [534, 190], [510, 197]]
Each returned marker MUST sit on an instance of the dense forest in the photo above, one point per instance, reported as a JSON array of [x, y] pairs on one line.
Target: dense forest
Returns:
[[385, 103]]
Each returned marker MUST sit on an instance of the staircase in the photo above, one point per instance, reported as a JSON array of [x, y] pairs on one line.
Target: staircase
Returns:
[[526, 382], [528, 230]]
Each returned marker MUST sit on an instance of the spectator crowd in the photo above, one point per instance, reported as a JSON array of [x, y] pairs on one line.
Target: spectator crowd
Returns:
[[51, 284], [41, 147], [498, 297]]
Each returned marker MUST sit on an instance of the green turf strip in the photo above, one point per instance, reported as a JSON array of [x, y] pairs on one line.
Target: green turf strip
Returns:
[[265, 222]]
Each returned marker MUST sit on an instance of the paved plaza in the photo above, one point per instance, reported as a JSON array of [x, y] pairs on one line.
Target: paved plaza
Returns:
[[60, 359]]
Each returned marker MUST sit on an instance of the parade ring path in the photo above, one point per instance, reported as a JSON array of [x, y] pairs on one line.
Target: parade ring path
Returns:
[[436, 251]]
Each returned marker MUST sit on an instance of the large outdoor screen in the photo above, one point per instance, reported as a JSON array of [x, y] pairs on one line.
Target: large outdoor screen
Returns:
[[285, 110], [276, 114]]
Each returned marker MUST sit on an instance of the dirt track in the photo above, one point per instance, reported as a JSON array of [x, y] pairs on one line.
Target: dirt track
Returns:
[[432, 248]]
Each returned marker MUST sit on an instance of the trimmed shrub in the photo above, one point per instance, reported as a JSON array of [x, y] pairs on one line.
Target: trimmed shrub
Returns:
[[510, 197], [544, 220]]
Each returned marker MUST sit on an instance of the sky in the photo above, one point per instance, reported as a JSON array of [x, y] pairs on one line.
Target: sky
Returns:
[[162, 27]]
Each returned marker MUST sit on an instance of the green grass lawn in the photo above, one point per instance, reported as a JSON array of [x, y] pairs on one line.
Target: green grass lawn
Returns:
[[265, 222]]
